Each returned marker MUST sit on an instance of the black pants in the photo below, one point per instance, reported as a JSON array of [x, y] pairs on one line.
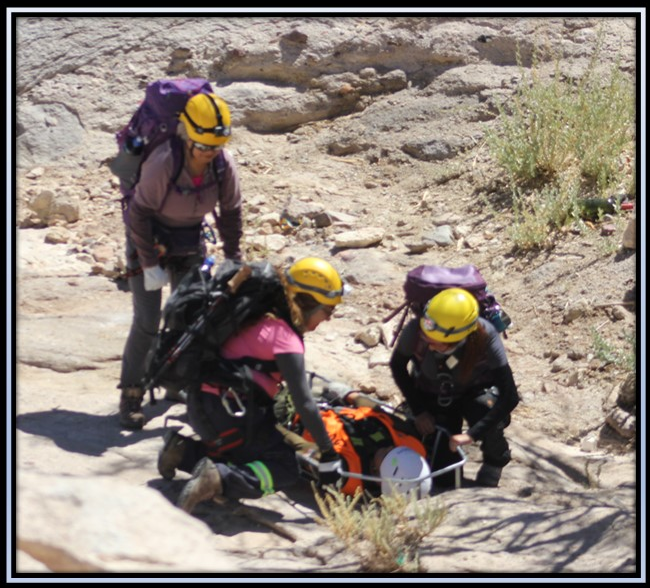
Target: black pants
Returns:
[[249, 451], [471, 408]]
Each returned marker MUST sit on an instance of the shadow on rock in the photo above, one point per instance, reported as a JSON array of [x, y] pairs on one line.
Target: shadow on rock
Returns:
[[302, 493], [557, 535], [79, 432], [280, 514], [229, 519]]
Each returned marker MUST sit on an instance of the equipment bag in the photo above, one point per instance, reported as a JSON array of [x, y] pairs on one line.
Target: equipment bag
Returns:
[[154, 122], [201, 314], [425, 281]]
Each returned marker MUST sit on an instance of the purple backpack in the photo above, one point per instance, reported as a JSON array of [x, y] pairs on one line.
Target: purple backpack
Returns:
[[425, 281], [154, 122]]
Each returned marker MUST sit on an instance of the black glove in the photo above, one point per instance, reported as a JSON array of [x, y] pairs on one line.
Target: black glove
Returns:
[[329, 466]]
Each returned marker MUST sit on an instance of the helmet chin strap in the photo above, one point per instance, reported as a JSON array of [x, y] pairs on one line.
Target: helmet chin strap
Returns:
[[452, 350]]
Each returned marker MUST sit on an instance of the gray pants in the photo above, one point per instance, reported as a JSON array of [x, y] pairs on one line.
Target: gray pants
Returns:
[[146, 314]]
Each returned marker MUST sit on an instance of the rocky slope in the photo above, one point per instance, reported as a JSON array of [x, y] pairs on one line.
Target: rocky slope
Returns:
[[369, 134]]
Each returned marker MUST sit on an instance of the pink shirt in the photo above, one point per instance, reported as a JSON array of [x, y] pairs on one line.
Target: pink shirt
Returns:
[[264, 340]]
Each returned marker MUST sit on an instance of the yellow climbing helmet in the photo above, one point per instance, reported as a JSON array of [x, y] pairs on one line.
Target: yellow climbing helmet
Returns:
[[316, 277], [207, 119], [450, 316]]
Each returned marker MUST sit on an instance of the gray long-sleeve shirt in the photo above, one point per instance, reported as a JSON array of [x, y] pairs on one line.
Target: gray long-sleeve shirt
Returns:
[[157, 199], [292, 368]]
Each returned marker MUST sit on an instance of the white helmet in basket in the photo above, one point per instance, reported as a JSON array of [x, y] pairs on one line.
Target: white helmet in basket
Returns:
[[402, 463]]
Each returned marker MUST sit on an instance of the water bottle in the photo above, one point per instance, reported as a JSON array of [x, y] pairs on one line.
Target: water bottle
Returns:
[[593, 208], [207, 265], [134, 145], [501, 320]]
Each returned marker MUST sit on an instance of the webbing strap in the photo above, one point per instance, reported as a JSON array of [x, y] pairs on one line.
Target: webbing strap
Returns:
[[263, 475]]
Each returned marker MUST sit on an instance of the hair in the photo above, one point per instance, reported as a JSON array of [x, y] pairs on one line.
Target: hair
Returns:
[[181, 131], [475, 345], [287, 305], [300, 304]]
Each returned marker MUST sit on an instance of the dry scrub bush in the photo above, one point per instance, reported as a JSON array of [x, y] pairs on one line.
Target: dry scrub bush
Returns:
[[384, 533]]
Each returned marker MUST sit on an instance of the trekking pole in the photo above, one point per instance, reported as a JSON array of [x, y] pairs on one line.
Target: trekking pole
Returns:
[[173, 354], [398, 330], [196, 327], [394, 312]]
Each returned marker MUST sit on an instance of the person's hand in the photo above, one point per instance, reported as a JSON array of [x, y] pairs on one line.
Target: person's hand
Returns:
[[155, 278], [425, 424], [329, 466], [460, 439]]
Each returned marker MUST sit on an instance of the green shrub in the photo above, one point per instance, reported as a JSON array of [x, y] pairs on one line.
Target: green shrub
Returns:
[[624, 359], [560, 140]]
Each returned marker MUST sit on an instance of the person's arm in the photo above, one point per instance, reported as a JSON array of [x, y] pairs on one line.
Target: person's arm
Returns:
[[404, 381], [149, 194], [229, 223], [294, 440], [292, 369], [230, 230], [423, 420], [500, 375], [506, 402]]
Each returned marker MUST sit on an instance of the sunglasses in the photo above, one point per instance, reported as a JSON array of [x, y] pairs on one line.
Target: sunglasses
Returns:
[[206, 148], [328, 310]]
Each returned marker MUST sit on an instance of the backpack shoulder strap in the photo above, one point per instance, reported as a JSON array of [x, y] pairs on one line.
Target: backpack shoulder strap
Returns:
[[178, 154], [219, 163]]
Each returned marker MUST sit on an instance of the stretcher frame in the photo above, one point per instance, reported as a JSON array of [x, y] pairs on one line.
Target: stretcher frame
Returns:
[[306, 458]]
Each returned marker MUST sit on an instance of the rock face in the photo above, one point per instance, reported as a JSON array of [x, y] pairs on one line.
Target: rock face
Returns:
[[358, 139]]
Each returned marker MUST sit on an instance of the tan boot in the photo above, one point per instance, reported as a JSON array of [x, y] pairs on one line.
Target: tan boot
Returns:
[[205, 485], [131, 415], [171, 454]]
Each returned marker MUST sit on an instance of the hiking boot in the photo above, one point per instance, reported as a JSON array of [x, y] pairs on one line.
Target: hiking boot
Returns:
[[174, 395], [204, 485], [131, 415], [171, 454], [488, 475]]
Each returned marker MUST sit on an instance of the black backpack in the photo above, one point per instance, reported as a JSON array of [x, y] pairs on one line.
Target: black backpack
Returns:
[[201, 314], [425, 281]]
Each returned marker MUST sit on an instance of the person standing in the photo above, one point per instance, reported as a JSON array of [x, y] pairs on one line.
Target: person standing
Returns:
[[164, 229]]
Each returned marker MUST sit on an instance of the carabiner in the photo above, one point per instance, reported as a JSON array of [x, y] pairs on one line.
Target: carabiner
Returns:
[[226, 398]]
